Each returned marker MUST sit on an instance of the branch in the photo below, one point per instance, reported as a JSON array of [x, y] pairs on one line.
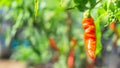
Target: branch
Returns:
[[69, 24], [71, 7], [35, 49]]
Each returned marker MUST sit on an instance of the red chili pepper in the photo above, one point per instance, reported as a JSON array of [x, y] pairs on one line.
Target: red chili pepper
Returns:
[[71, 59], [89, 36], [53, 44]]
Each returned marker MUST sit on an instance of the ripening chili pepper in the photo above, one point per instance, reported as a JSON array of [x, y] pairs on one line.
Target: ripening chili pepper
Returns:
[[70, 61], [73, 42], [89, 36], [112, 25], [53, 44]]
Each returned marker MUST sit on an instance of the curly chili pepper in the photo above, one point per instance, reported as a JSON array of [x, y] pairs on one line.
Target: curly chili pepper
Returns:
[[89, 36]]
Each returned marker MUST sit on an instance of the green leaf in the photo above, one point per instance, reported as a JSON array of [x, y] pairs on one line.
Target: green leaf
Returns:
[[98, 34], [110, 5], [5, 3], [117, 15], [81, 4], [104, 5], [81, 7], [92, 3], [101, 11], [118, 3]]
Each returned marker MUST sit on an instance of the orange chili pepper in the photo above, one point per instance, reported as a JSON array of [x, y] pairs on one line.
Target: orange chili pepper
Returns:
[[112, 25], [89, 36]]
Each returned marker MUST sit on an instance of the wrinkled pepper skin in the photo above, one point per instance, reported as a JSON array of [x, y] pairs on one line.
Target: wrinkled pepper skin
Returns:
[[89, 36]]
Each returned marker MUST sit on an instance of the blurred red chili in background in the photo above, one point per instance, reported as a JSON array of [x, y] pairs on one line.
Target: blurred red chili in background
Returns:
[[70, 61], [53, 44]]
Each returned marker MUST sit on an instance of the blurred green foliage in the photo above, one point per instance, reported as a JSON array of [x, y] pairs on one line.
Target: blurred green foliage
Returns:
[[52, 18], [50, 22]]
